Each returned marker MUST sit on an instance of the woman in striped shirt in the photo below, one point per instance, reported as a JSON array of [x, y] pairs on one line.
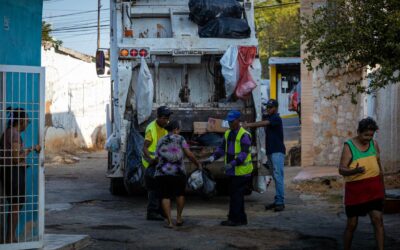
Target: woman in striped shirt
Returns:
[[364, 188]]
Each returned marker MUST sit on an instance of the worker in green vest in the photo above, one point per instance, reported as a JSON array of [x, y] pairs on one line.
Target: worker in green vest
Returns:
[[154, 132], [236, 148]]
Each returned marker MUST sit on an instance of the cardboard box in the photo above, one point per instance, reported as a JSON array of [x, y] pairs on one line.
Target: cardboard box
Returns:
[[217, 125], [200, 127]]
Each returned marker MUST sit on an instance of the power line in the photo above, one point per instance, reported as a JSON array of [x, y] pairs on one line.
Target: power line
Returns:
[[78, 33], [77, 25], [79, 29], [75, 13], [76, 22]]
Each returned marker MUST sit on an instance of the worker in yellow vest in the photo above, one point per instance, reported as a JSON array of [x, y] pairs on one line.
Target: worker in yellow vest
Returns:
[[236, 148], [154, 132]]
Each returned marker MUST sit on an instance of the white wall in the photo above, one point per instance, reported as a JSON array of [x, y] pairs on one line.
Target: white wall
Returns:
[[386, 111], [76, 101]]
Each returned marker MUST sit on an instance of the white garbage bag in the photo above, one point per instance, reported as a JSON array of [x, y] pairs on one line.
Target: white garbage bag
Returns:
[[144, 93], [230, 69], [113, 143], [195, 180], [261, 183]]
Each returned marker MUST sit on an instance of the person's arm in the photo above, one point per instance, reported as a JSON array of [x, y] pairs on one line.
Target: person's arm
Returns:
[[220, 151], [18, 152], [147, 143], [378, 156], [245, 144], [345, 160], [256, 124], [191, 157], [146, 152]]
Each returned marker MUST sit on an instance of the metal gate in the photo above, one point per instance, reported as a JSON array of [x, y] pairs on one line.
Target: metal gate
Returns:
[[21, 157]]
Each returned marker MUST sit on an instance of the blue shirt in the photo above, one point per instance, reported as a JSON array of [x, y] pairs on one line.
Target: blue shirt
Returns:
[[274, 141]]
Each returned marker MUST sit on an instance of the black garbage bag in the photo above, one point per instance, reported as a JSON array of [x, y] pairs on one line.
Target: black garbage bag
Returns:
[[209, 184], [203, 11], [210, 139], [226, 27], [134, 170]]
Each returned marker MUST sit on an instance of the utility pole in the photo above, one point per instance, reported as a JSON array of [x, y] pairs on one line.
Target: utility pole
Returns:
[[98, 23]]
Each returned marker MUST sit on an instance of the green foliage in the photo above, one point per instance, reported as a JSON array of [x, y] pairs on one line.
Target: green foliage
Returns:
[[349, 35], [278, 30], [46, 34]]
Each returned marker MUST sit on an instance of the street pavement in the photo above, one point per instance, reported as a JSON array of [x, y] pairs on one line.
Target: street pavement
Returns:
[[78, 202]]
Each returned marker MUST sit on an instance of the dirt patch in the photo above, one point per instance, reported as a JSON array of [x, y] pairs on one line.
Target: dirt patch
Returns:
[[322, 187], [392, 181], [62, 157]]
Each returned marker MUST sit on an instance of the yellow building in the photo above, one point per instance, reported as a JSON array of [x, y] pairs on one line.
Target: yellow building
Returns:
[[284, 75]]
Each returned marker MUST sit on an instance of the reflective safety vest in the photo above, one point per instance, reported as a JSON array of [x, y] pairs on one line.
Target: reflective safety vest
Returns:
[[247, 166], [152, 127]]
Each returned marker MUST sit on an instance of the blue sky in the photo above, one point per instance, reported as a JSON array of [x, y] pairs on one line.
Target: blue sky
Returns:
[[75, 23]]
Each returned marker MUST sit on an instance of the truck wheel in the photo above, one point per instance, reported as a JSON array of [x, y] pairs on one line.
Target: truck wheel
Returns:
[[117, 186]]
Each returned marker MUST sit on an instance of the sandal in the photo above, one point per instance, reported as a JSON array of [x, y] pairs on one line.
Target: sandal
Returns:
[[169, 226], [179, 224]]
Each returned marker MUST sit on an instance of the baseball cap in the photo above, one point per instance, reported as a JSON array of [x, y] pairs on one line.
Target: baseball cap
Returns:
[[164, 111], [272, 103], [233, 115]]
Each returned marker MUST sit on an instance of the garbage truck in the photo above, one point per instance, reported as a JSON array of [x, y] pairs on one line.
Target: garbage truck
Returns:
[[182, 60]]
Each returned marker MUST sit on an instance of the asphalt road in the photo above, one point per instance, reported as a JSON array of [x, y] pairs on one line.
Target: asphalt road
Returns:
[[78, 202]]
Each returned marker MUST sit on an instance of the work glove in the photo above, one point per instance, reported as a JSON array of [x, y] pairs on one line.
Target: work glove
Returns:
[[207, 161], [227, 167]]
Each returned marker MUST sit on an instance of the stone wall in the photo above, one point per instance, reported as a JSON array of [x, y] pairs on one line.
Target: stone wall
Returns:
[[326, 124], [334, 120]]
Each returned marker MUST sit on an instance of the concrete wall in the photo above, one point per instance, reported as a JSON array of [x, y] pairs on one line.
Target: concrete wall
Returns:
[[387, 113], [76, 102]]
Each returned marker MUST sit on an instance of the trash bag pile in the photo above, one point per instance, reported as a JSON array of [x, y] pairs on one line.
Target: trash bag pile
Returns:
[[203, 11], [202, 182], [235, 69], [134, 172], [226, 27], [219, 18]]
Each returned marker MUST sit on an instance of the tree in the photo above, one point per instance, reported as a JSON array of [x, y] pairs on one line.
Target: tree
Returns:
[[46, 34], [278, 29], [348, 35]]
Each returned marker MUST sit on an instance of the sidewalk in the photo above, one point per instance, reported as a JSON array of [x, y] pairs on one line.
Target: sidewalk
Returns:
[[65, 242], [316, 174]]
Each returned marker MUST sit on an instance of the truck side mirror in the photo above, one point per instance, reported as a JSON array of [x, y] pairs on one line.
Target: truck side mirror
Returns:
[[100, 62]]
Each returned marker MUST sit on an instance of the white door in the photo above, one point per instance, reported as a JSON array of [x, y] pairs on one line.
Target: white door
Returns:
[[21, 167]]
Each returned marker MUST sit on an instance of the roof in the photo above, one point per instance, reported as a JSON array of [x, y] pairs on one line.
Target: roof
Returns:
[[284, 60]]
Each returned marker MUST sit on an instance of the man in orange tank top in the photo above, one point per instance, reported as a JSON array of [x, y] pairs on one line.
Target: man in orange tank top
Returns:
[[364, 187]]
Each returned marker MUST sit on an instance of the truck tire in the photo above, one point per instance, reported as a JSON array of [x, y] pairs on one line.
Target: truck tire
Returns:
[[117, 186]]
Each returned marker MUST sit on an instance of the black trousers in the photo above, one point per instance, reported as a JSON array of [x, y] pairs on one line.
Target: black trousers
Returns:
[[154, 201], [236, 202]]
